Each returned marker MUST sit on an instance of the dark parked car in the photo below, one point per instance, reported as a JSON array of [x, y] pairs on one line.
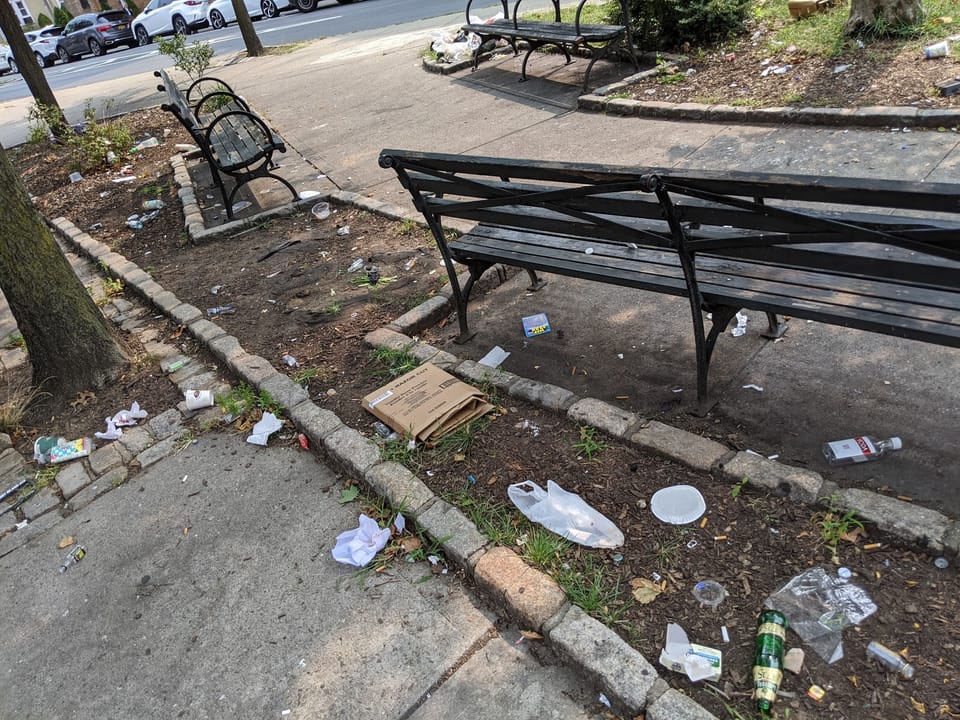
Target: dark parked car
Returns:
[[94, 34]]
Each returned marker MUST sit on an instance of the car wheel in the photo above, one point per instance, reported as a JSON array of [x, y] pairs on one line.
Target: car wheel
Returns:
[[143, 37], [180, 26], [269, 9], [96, 47], [14, 68], [217, 20], [305, 5], [64, 56]]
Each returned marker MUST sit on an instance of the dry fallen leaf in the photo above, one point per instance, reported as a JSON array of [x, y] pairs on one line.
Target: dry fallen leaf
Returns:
[[65, 542], [410, 543], [853, 536], [854, 680], [645, 591], [918, 706], [83, 398], [531, 635]]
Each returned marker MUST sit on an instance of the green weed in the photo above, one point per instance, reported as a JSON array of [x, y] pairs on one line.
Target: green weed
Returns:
[[497, 519], [390, 363], [544, 548], [14, 340], [590, 443], [16, 399], [243, 399], [739, 487], [594, 588], [834, 524]]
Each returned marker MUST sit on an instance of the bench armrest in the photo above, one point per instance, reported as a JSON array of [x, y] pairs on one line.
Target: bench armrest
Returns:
[[219, 98], [197, 87]]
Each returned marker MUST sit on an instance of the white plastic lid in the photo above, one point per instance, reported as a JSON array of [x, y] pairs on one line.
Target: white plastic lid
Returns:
[[678, 504], [896, 443]]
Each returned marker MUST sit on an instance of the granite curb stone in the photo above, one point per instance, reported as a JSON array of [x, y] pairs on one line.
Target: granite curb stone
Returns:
[[103, 459], [609, 418], [674, 705], [530, 595], [313, 421], [284, 390], [351, 451], [624, 673], [460, 537], [40, 504], [549, 396], [797, 483], [922, 525], [686, 447], [404, 490], [73, 478]]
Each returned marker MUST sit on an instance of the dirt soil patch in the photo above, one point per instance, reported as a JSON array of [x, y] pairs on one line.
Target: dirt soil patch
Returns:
[[292, 290], [752, 71]]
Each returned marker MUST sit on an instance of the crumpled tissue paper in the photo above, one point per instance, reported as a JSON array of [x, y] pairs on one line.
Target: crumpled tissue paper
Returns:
[[357, 547], [264, 429]]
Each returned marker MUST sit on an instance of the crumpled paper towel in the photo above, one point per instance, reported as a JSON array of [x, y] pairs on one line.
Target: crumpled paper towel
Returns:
[[264, 429], [357, 547]]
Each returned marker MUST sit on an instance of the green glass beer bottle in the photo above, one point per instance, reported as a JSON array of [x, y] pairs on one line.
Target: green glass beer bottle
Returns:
[[768, 658]]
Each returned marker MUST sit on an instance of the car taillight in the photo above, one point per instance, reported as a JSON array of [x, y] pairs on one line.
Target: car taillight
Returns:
[[102, 28], [193, 2]]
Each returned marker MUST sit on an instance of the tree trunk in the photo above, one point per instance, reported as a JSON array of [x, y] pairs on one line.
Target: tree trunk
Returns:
[[250, 37], [877, 14], [70, 343], [29, 67]]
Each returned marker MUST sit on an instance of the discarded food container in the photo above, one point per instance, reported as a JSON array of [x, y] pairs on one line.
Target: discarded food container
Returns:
[[697, 662], [321, 211], [937, 50], [55, 450], [768, 658], [709, 593], [197, 399], [678, 504], [534, 325], [343, 230], [892, 661], [73, 557], [859, 449]]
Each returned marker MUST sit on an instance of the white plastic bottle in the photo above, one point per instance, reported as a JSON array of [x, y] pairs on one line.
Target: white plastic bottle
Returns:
[[859, 449]]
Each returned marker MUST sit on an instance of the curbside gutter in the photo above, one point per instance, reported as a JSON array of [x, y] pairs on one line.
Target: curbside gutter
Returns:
[[525, 593]]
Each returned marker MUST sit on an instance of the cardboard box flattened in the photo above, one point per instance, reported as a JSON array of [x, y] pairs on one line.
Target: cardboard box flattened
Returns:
[[426, 403]]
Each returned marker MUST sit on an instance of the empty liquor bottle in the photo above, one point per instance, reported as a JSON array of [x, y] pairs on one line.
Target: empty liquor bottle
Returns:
[[892, 661], [859, 449], [768, 658]]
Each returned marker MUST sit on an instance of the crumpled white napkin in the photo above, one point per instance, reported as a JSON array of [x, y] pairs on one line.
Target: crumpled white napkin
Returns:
[[112, 433], [357, 547], [264, 429], [125, 418]]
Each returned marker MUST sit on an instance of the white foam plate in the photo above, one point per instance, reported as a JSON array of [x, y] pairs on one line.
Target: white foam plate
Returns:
[[678, 504]]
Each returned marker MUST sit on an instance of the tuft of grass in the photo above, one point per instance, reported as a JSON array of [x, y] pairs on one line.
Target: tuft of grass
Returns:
[[460, 440], [390, 364], [399, 451], [14, 340], [111, 287], [590, 443], [496, 519], [305, 375], [595, 589], [244, 400], [17, 399], [544, 548], [834, 523], [666, 553]]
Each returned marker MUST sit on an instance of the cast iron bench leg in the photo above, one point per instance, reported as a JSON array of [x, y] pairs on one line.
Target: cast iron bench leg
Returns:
[[535, 282], [462, 297], [777, 327]]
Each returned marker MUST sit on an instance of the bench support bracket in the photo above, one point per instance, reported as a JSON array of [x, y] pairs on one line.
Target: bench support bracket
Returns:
[[776, 327]]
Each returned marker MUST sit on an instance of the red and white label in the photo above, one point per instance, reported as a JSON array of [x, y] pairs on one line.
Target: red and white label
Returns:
[[858, 449]]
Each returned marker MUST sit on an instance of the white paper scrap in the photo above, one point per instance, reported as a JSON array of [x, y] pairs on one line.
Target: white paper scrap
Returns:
[[357, 547], [495, 357], [262, 431]]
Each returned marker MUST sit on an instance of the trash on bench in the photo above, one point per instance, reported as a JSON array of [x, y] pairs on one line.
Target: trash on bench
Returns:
[[565, 513]]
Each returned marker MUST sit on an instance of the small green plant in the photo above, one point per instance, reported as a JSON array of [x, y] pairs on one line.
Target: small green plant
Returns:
[[14, 340], [460, 440], [348, 495], [594, 588], [399, 451], [496, 519], [544, 548], [244, 400], [834, 524], [100, 141], [305, 375], [666, 553], [193, 59], [407, 225], [45, 476], [45, 122], [590, 443], [111, 287], [390, 363], [739, 487]]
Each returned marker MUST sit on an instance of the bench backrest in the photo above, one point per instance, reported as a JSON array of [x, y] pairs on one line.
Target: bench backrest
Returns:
[[905, 232]]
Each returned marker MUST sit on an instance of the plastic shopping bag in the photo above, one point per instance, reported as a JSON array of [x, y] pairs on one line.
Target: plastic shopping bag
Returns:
[[565, 513]]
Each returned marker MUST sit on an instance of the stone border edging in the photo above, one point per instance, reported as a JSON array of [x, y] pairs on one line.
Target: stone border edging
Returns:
[[598, 101], [526, 593]]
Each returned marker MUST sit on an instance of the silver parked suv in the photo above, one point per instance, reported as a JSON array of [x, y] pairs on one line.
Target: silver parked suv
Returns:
[[94, 34], [169, 17]]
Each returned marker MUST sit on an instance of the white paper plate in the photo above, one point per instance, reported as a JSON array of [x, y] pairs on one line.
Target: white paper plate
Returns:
[[678, 504]]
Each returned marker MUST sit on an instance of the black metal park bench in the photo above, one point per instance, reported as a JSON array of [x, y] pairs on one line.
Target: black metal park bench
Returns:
[[881, 256], [601, 41], [236, 143]]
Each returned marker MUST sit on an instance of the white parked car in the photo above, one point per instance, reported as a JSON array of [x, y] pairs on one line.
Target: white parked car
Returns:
[[220, 12], [169, 17], [43, 42]]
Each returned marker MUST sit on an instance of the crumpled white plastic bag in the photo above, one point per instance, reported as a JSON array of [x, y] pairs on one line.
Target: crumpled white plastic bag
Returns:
[[264, 429], [565, 513], [358, 546]]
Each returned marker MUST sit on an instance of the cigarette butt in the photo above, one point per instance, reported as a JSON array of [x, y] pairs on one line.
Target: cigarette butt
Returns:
[[905, 498], [872, 546], [574, 371], [719, 538], [663, 585], [703, 523], [724, 633]]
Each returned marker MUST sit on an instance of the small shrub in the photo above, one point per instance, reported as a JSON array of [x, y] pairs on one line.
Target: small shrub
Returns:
[[61, 16], [45, 122], [43, 20], [193, 59], [93, 147], [668, 24]]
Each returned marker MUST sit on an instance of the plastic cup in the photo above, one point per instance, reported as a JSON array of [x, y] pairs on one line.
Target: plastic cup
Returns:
[[940, 49], [321, 211]]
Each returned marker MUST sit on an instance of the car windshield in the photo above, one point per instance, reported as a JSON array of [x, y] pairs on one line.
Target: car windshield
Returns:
[[114, 16]]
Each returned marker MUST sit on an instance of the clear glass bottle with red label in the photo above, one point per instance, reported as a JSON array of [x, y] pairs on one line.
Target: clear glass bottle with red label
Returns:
[[859, 449]]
